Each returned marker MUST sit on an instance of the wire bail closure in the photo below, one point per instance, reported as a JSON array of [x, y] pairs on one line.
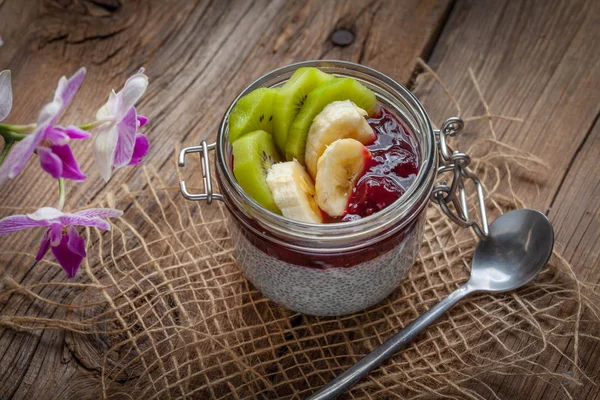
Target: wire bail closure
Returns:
[[208, 194], [456, 163]]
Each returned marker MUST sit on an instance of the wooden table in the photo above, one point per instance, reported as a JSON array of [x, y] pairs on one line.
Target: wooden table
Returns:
[[535, 60]]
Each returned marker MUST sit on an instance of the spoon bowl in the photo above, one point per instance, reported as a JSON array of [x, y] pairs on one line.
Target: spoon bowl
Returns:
[[519, 245]]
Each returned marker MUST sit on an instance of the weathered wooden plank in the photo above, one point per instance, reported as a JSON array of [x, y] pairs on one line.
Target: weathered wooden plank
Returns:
[[199, 55], [527, 68], [575, 213], [537, 61], [575, 210]]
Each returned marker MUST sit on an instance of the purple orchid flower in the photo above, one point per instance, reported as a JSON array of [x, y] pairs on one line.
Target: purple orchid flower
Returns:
[[50, 141], [66, 243], [118, 143]]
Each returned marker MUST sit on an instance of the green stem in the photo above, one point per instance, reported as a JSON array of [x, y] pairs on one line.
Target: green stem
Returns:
[[11, 136], [7, 145], [61, 193], [18, 128], [87, 127], [95, 124]]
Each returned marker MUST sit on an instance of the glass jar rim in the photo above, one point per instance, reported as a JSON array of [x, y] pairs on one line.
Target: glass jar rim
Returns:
[[331, 237]]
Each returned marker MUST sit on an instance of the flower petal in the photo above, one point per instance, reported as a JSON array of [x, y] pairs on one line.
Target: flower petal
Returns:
[[76, 243], [70, 167], [142, 120], [55, 233], [49, 112], [51, 163], [99, 213], [6, 98], [104, 149], [46, 214], [126, 141], [15, 223], [72, 86], [65, 91], [73, 219], [44, 246], [19, 155], [132, 91], [142, 145], [76, 133], [56, 135], [109, 109], [67, 259]]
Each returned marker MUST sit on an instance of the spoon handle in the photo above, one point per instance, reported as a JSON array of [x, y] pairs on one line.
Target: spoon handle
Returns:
[[344, 381]]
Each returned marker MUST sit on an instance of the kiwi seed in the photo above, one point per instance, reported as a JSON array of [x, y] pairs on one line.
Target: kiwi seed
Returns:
[[266, 162]]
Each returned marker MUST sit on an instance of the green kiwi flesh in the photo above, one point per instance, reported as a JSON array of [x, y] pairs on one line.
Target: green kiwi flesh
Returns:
[[290, 99], [253, 155], [251, 113]]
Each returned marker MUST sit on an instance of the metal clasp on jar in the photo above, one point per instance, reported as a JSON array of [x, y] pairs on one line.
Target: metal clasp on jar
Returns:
[[457, 164], [208, 194]]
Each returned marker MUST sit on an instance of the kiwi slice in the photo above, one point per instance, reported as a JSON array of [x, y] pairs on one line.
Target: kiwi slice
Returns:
[[290, 99], [253, 155], [252, 112], [337, 89]]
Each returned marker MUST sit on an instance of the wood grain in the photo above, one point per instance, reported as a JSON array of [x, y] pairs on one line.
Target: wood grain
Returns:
[[198, 55], [575, 211], [575, 214], [537, 61], [527, 68]]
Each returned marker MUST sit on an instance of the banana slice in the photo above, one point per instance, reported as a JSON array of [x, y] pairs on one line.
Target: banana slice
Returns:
[[293, 191], [340, 166], [338, 120]]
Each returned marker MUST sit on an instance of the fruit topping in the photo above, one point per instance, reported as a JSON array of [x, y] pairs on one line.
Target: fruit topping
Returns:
[[338, 120], [317, 99], [347, 157], [338, 169], [293, 192], [253, 156], [251, 113], [290, 98]]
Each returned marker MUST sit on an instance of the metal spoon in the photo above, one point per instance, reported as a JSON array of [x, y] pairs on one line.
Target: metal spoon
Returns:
[[519, 245]]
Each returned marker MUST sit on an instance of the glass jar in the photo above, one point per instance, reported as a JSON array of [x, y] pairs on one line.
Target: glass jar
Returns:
[[335, 268]]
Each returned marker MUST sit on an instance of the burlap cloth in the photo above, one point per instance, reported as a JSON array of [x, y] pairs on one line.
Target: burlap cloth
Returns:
[[160, 309]]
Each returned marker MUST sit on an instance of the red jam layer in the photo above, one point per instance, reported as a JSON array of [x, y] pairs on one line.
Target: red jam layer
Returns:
[[317, 260], [391, 170]]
